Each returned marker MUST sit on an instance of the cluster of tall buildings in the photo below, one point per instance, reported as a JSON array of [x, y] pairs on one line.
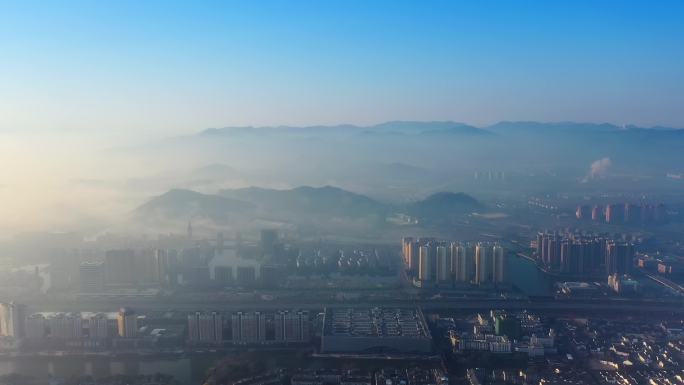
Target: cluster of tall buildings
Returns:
[[292, 326], [131, 268], [584, 254], [129, 329], [195, 263], [434, 261], [152, 268], [68, 327], [205, 327], [75, 326], [248, 327], [257, 327], [623, 213], [15, 322]]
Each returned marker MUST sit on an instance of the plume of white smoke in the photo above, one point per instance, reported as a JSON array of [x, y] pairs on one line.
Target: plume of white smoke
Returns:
[[599, 169]]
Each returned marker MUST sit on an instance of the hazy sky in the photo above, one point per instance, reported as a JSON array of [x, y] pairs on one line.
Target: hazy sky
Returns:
[[79, 77], [168, 67]]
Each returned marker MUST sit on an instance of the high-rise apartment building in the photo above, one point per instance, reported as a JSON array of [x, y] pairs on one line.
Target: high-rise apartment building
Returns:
[[413, 257], [65, 326], [36, 327], [120, 267], [164, 267], [583, 212], [246, 275], [499, 264], [553, 251], [443, 263], [127, 323], [248, 327], [457, 262], [406, 249], [483, 264], [98, 327], [269, 241], [461, 262], [292, 326], [615, 213], [223, 275], [619, 258], [12, 320], [205, 327], [572, 252], [425, 265], [490, 263], [92, 277], [632, 213]]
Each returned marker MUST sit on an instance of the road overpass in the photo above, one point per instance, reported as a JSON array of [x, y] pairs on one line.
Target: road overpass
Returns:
[[634, 306]]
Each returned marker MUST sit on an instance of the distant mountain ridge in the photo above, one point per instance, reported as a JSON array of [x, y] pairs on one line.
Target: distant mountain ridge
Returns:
[[303, 202], [187, 204], [441, 127], [398, 160], [552, 126], [326, 200], [444, 205], [393, 127]]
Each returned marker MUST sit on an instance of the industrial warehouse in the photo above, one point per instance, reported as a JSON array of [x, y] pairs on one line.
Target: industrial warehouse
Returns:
[[375, 330]]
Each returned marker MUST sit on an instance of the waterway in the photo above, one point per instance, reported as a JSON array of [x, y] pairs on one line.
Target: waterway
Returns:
[[524, 274], [187, 370]]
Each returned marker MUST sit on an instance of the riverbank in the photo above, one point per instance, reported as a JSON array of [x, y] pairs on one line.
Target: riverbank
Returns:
[[187, 370]]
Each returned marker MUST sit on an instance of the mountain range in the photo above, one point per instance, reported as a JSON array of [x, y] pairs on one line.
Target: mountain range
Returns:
[[393, 128], [442, 127], [186, 204], [404, 161], [299, 204], [443, 206], [446, 145]]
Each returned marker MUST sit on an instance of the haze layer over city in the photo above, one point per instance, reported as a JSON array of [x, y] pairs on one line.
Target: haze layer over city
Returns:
[[299, 193]]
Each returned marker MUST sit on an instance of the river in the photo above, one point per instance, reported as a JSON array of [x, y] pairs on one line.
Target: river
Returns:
[[524, 274], [187, 370]]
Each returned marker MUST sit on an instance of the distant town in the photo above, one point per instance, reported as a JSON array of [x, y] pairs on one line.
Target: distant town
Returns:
[[424, 310]]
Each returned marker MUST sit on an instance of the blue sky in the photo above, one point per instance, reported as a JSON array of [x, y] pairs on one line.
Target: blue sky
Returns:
[[172, 67]]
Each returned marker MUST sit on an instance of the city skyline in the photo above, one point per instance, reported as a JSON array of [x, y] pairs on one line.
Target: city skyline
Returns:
[[301, 192]]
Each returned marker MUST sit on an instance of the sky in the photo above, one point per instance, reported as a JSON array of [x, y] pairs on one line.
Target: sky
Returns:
[[159, 68], [80, 77]]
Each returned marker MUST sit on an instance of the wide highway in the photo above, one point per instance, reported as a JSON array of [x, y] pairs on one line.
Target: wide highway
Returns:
[[635, 306]]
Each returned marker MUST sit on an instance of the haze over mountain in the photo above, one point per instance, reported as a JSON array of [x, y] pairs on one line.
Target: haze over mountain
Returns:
[[105, 105], [340, 192], [302, 205], [186, 204], [342, 155], [393, 127], [443, 206], [326, 201], [393, 162]]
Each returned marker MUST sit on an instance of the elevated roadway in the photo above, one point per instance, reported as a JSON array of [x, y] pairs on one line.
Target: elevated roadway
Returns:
[[635, 306]]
